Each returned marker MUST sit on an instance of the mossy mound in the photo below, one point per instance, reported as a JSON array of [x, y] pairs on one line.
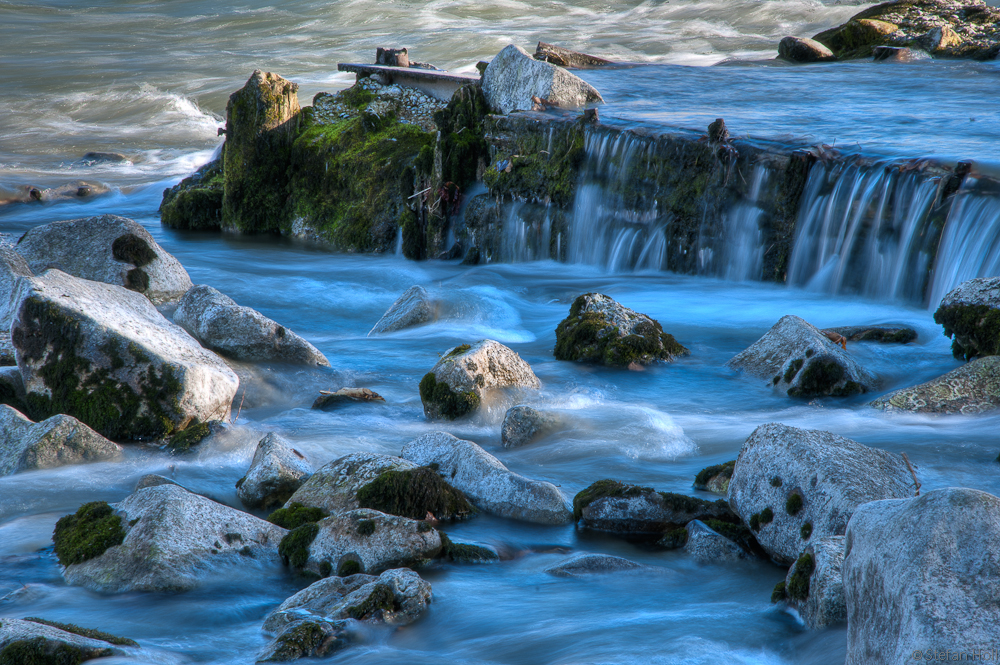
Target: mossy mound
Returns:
[[737, 533], [465, 552], [296, 515], [40, 651], [87, 534], [307, 639], [975, 330], [797, 587], [294, 547], [192, 435], [717, 475], [381, 599], [86, 632], [414, 493], [448, 403], [599, 330], [674, 539], [464, 151], [196, 201], [604, 489]]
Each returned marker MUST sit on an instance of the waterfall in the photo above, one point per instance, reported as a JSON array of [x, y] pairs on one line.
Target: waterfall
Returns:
[[525, 236], [743, 248]]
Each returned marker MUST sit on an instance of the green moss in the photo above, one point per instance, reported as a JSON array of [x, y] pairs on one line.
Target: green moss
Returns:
[[464, 151], [86, 632], [413, 493], [545, 168], [130, 248], [793, 369], [776, 482], [40, 651], [325, 569], [192, 435], [348, 567], [725, 470], [296, 515], [365, 527], [819, 377], [793, 504], [444, 401], [674, 539], [380, 599], [758, 520], [737, 533], [699, 508], [977, 325], [806, 531], [294, 547], [458, 350], [464, 552], [196, 201], [87, 534], [602, 489], [778, 594], [308, 639], [798, 585]]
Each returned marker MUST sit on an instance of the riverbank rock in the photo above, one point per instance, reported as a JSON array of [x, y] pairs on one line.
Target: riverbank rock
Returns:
[[890, 334], [930, 562], [360, 541], [522, 423], [592, 564], [944, 28], [459, 381], [616, 507], [57, 441], [30, 641], [166, 538], [276, 472], [970, 315], [513, 78], [814, 586], [715, 478], [600, 330], [803, 49], [195, 202], [970, 389], [215, 320], [411, 309], [110, 249], [797, 358], [103, 354], [489, 485], [793, 486]]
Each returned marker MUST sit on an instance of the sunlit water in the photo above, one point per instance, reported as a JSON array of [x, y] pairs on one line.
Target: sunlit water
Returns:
[[150, 79]]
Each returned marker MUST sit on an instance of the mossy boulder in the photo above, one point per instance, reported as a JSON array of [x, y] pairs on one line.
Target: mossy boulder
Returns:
[[296, 515], [334, 487], [307, 639], [971, 389], [970, 315], [276, 471], [460, 551], [56, 441], [467, 374], [195, 202], [40, 642], [814, 585], [106, 356], [87, 534], [414, 493], [600, 330], [715, 478]]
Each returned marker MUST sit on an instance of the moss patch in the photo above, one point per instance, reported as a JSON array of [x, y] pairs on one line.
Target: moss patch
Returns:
[[975, 328], [414, 493], [778, 594], [602, 489], [308, 639], [464, 151], [130, 248], [737, 533], [348, 567], [725, 470], [196, 201], [86, 632], [40, 651], [381, 599], [674, 539], [798, 585], [296, 515], [192, 435], [294, 547], [793, 504], [820, 377], [545, 168], [87, 534], [445, 402], [757, 520], [464, 552], [806, 531]]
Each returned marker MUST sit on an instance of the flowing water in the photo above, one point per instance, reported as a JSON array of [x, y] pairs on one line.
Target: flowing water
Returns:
[[149, 79]]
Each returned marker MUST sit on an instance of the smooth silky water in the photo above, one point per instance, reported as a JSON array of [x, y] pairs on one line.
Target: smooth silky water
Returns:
[[150, 79]]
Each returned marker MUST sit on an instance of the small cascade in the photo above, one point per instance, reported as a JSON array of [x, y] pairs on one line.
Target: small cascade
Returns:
[[743, 248], [526, 234], [970, 242]]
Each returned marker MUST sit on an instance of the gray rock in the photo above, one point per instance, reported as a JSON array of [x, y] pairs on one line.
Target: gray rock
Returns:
[[522, 423], [803, 49], [564, 57], [308, 639], [110, 249], [468, 374], [814, 585], [513, 78], [131, 362], [172, 537], [705, 545], [12, 386], [154, 480], [797, 358], [411, 309], [359, 597], [216, 321], [60, 645], [923, 574], [968, 313], [793, 486], [373, 541], [488, 484], [616, 507], [715, 478], [12, 268], [464, 551], [276, 472], [334, 487], [328, 401], [58, 441], [592, 564], [972, 388], [8, 356]]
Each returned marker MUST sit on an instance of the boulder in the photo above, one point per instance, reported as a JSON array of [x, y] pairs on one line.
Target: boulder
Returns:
[[522, 423], [30, 641], [705, 545], [154, 480], [238, 332], [334, 486], [167, 538], [609, 505], [463, 551], [814, 586], [196, 201], [360, 541], [972, 388], [489, 485], [411, 309], [798, 359], [103, 354], [308, 639], [803, 49], [932, 564], [13, 267], [891, 334], [328, 401], [970, 315], [110, 249], [459, 381], [513, 78], [58, 441], [794, 486], [397, 597], [276, 472], [592, 564], [715, 478], [600, 330]]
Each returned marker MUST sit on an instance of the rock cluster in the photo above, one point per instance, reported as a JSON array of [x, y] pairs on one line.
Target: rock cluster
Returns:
[[371, 97]]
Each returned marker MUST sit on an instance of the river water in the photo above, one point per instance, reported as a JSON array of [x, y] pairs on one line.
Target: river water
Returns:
[[149, 79]]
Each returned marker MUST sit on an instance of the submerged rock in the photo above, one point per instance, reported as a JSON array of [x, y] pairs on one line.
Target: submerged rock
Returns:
[[592, 564], [36, 641], [803, 49], [103, 354], [971, 314], [215, 320], [522, 423], [169, 538], [307, 639], [793, 486], [459, 381], [564, 57], [57, 441], [411, 309], [276, 472], [609, 505], [883, 334], [110, 249], [513, 78], [196, 201], [970, 389], [706, 545], [932, 563], [600, 330], [327, 401], [814, 585], [488, 484], [797, 358]]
